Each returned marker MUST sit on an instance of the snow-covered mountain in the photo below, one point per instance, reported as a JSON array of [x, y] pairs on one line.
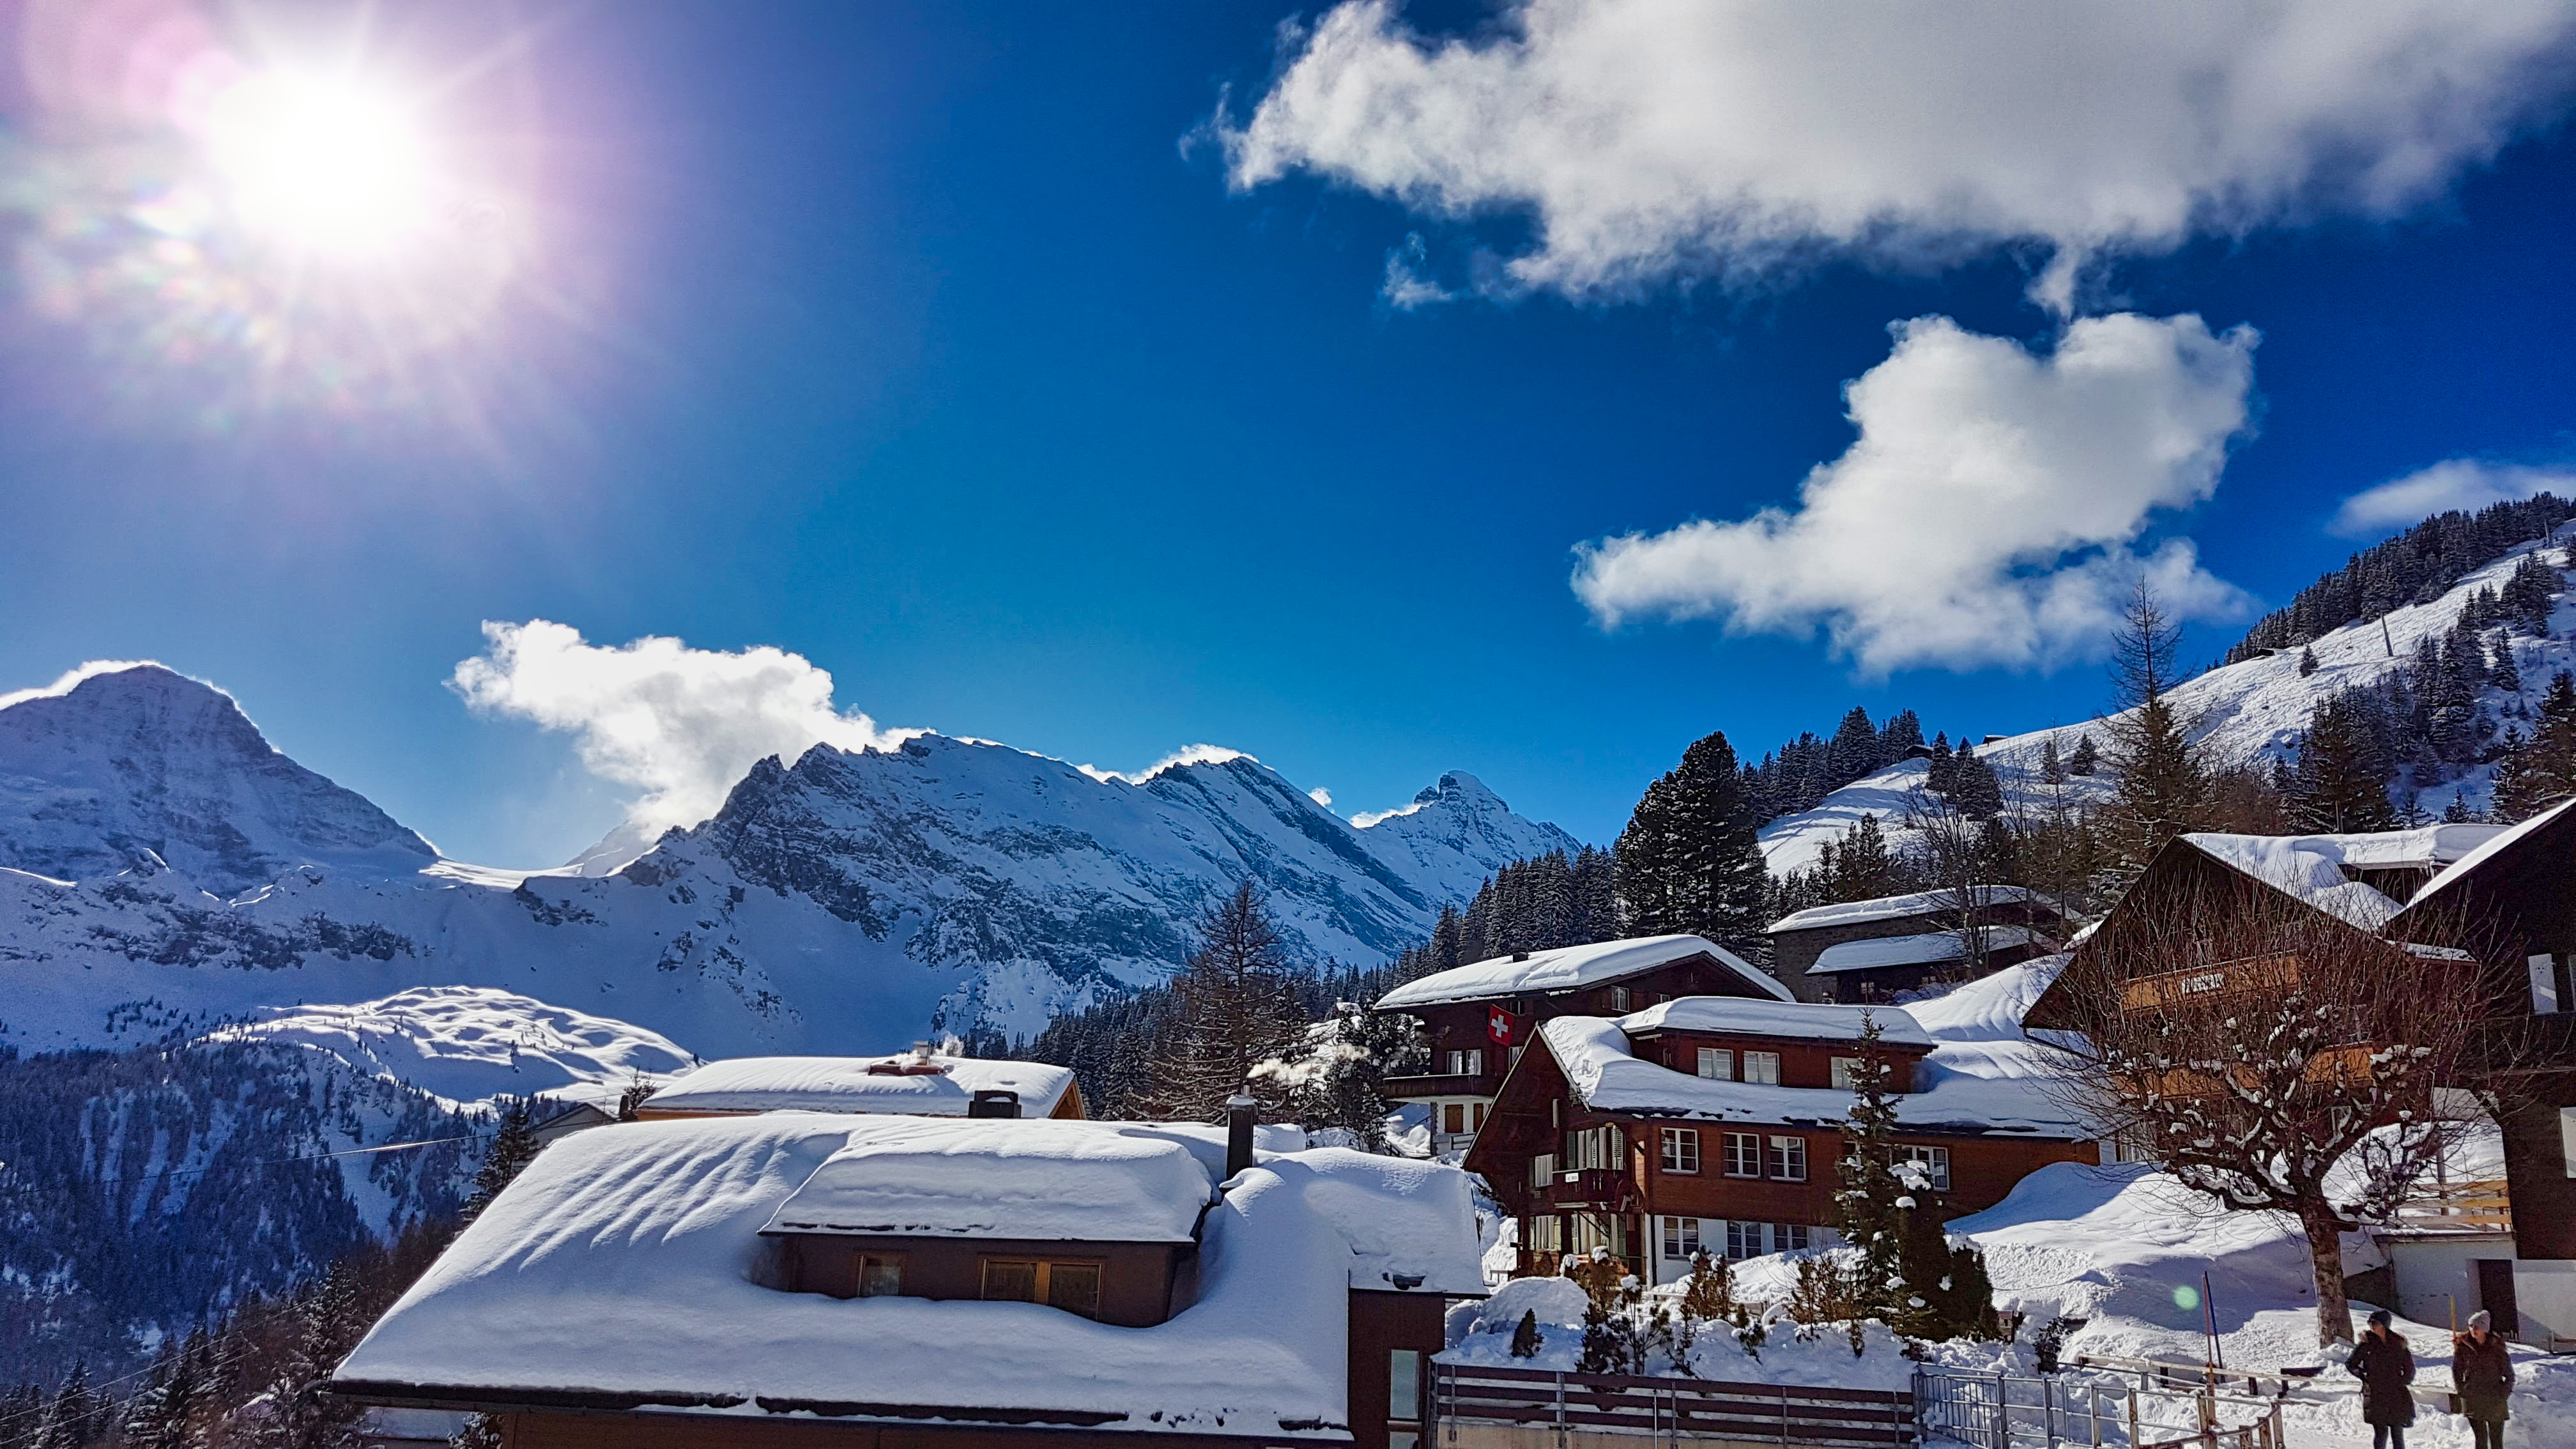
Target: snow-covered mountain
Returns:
[[162, 868], [2246, 713]]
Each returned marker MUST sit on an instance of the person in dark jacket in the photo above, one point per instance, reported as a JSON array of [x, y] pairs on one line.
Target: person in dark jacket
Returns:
[[2385, 1367], [2482, 1370]]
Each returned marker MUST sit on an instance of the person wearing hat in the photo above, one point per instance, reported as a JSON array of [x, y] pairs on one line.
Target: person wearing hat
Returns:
[[2482, 1370], [2385, 1367]]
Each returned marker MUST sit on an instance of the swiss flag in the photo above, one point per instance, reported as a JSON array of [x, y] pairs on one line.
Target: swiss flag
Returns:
[[1498, 1025]]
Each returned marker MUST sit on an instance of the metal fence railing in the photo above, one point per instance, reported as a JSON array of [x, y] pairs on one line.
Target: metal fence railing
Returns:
[[1671, 1409], [2018, 1411]]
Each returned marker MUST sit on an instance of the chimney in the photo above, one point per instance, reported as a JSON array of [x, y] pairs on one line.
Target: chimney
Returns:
[[1238, 1133], [994, 1102]]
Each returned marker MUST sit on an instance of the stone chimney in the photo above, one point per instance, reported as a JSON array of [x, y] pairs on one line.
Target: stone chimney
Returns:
[[1238, 1133]]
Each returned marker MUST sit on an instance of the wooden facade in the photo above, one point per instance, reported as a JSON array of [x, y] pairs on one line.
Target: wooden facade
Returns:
[[1659, 1188], [1472, 1051], [1794, 951]]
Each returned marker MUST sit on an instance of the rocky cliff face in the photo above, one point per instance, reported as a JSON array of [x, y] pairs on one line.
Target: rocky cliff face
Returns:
[[162, 868]]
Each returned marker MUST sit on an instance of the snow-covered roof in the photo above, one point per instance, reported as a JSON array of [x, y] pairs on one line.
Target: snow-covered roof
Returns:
[[847, 1084], [2486, 850], [1802, 1020], [1983, 1075], [986, 1178], [1922, 949], [1920, 903], [2305, 866], [623, 1264], [1571, 968]]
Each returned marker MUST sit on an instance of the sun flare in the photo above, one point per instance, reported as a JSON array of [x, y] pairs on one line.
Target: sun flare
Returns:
[[321, 165]]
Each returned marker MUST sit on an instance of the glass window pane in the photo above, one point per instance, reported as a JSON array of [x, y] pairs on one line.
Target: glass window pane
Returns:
[[1762, 1067], [880, 1277], [1074, 1287], [1017, 1282], [1404, 1384]]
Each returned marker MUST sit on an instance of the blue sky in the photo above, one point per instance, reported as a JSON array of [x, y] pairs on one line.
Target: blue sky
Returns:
[[923, 342]]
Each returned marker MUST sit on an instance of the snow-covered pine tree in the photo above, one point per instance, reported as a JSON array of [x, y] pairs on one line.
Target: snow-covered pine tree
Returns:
[[2307, 661], [2052, 766], [512, 1149], [1947, 1291], [2084, 757], [1865, 1198], [1236, 1006], [2341, 783], [1688, 861]]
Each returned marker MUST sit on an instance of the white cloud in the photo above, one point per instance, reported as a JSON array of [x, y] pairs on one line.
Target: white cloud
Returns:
[[2462, 483], [72, 679], [1367, 818], [1406, 288], [1985, 513], [1660, 139], [1321, 796], [1185, 755], [681, 724]]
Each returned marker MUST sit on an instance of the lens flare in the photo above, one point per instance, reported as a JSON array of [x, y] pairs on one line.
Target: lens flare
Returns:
[[321, 164]]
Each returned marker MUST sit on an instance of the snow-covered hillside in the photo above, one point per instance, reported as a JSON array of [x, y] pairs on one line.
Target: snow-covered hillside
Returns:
[[467, 1045], [163, 869], [2245, 713]]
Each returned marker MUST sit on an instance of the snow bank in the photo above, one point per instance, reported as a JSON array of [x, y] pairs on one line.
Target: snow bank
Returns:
[[847, 1084], [1798, 1020], [470, 1044], [1570, 968], [624, 1261], [987, 1178]]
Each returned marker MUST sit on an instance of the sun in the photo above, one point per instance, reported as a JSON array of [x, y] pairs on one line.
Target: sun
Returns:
[[323, 166]]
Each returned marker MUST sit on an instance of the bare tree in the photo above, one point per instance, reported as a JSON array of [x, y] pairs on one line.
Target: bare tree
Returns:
[[1951, 848], [1236, 1003], [2268, 1054]]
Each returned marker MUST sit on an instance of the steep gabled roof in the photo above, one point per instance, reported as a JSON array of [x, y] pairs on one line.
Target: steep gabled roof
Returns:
[[1573, 968]]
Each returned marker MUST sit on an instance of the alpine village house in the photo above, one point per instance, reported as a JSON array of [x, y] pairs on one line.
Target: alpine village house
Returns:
[[1713, 1122], [800, 1278]]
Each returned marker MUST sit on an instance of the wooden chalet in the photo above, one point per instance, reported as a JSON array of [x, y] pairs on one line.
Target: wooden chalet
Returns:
[[1479, 1017], [1714, 1122], [800, 1279], [922, 1082], [1870, 950]]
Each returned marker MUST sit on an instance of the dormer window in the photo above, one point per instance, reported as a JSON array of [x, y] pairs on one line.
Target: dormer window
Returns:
[[1073, 1287], [1717, 1064], [1762, 1067], [1846, 1072], [1618, 998]]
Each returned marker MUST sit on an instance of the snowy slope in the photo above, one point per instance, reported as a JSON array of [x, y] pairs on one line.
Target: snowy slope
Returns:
[[2246, 713], [469, 1044], [163, 869]]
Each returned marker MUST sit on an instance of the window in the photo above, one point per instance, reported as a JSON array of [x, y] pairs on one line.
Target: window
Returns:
[[1681, 1149], [1789, 1158], [1743, 1240], [1717, 1064], [1762, 1067], [1587, 1231], [1846, 1071], [1789, 1237], [1937, 1159], [1594, 1149], [2546, 997], [1681, 1238], [1467, 1063], [1073, 1287], [1546, 1235], [880, 1277], [1743, 1154], [1404, 1385], [1542, 1169], [1618, 998], [1453, 1117], [1478, 1117]]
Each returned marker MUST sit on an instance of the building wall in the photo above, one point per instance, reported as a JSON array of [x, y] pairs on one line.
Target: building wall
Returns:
[[2435, 1277], [1382, 1325], [605, 1430], [2537, 1166], [1135, 1278], [1802, 1063]]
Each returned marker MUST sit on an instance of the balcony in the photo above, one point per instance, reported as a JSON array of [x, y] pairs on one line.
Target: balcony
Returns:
[[1595, 1187], [1444, 1084]]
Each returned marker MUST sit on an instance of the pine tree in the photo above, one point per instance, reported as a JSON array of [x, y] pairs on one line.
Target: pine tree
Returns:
[[512, 1149], [2084, 757], [1688, 862], [1236, 1004], [2162, 788], [2307, 661], [1866, 1196], [2052, 767], [1948, 1293], [2341, 784]]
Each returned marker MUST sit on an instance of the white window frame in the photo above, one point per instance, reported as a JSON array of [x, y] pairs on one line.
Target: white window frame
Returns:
[[1745, 1147], [1546, 1233], [1717, 1064], [1681, 1151], [1935, 1158], [1846, 1072], [1619, 998], [1785, 1158], [1743, 1240], [1681, 1239], [1762, 1067]]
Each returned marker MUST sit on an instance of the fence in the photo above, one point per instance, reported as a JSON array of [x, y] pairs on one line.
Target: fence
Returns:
[[1466, 1396], [2007, 1411]]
